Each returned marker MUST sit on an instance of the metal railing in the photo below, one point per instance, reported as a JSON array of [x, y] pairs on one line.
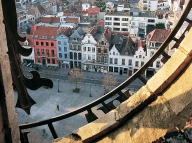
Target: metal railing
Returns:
[[106, 107]]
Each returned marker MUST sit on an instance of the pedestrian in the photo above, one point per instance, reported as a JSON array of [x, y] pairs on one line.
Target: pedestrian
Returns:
[[57, 107]]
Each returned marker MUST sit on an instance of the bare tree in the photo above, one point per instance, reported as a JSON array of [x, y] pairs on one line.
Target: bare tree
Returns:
[[108, 82], [75, 76]]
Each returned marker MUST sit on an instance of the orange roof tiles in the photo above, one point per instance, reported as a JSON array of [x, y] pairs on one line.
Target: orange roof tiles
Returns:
[[93, 10], [100, 23], [46, 31], [50, 19], [72, 19], [158, 35]]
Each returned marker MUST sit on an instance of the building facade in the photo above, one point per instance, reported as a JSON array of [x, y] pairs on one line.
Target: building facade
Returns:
[[44, 41]]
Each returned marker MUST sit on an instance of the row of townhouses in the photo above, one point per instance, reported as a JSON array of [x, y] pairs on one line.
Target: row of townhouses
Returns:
[[99, 50]]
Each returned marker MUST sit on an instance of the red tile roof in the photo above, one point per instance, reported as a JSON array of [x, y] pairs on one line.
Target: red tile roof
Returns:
[[141, 44], [84, 12], [93, 10], [50, 19], [106, 34], [100, 23], [158, 35], [45, 31], [71, 19]]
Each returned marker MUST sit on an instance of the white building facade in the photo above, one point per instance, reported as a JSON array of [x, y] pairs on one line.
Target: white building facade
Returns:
[[88, 52]]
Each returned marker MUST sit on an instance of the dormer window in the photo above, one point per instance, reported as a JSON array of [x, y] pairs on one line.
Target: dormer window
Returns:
[[36, 36], [52, 37]]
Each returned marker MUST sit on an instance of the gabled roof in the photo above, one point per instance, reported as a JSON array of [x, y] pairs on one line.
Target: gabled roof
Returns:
[[77, 33], [106, 34], [100, 23], [42, 31], [93, 10], [141, 44], [40, 8], [158, 35], [117, 38]]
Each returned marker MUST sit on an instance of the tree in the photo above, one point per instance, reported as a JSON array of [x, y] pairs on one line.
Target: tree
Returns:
[[108, 82], [75, 76]]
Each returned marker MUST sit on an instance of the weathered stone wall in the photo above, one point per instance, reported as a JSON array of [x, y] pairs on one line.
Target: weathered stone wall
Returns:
[[171, 87], [9, 131]]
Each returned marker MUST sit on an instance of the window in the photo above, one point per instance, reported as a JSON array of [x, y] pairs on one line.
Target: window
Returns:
[[65, 43], [47, 44], [84, 56], [113, 53], [89, 48], [79, 47], [95, 16], [99, 50], [52, 51], [123, 61], [60, 55], [84, 48], [42, 43], [116, 19], [151, 54], [39, 60], [93, 57], [79, 56], [142, 63], [124, 24], [52, 44], [108, 23], [59, 48], [65, 48], [71, 47], [117, 24], [102, 43], [90, 16], [130, 62], [125, 19], [42, 51], [99, 59], [71, 55], [115, 61], [88, 41], [140, 56], [107, 18], [111, 61], [89, 56], [48, 61], [59, 42], [105, 59], [37, 43], [136, 63], [158, 64], [65, 56], [151, 20], [105, 50], [75, 56], [93, 49]]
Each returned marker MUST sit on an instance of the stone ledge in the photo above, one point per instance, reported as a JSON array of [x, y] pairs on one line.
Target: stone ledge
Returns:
[[167, 75]]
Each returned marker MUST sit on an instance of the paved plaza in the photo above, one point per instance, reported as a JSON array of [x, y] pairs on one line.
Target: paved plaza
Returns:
[[51, 103]]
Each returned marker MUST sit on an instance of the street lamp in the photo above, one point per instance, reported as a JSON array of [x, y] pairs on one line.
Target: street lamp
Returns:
[[90, 90], [58, 85]]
